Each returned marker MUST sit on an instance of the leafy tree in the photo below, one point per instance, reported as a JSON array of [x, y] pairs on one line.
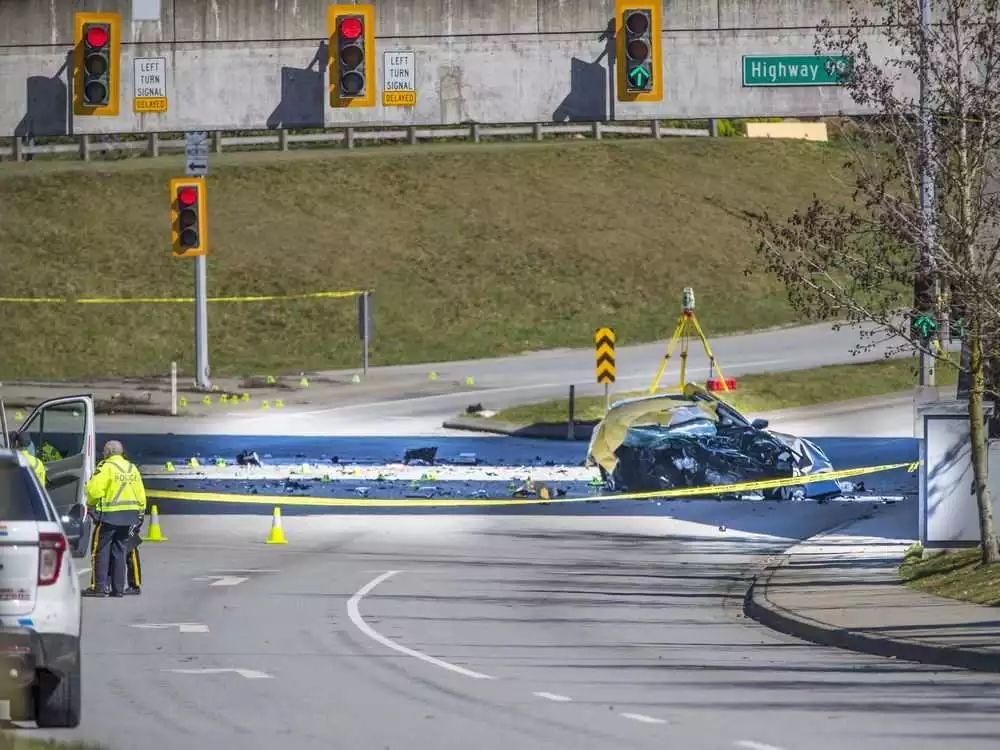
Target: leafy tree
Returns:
[[874, 260]]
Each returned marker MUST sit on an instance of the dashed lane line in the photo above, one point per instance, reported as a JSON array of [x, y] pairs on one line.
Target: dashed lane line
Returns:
[[751, 745], [644, 719], [553, 697], [354, 612]]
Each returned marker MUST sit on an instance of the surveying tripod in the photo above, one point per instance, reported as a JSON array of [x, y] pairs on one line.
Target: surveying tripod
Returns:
[[687, 327]]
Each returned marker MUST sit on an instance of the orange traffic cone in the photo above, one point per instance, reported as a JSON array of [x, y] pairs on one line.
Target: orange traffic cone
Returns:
[[277, 535]]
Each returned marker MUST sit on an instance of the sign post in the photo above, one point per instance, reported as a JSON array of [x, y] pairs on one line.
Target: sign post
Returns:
[[196, 161], [365, 324], [604, 350]]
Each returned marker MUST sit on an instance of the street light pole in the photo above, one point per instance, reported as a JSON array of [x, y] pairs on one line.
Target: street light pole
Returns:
[[927, 273]]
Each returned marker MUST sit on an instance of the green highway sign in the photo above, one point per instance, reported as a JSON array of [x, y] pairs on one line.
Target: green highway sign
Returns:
[[639, 76], [795, 70], [924, 325]]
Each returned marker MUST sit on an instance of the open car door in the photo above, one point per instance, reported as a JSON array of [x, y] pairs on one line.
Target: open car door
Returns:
[[62, 431]]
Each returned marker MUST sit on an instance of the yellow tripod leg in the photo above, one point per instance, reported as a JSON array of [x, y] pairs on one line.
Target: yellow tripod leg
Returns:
[[685, 342], [713, 363], [670, 350]]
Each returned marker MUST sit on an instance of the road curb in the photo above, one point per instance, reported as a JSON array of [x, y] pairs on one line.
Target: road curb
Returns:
[[757, 607], [552, 431]]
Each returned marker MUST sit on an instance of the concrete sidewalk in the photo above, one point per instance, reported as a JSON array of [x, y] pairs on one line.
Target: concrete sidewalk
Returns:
[[841, 589]]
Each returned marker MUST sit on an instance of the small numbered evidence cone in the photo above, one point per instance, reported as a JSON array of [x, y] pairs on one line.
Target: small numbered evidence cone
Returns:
[[155, 532], [277, 535]]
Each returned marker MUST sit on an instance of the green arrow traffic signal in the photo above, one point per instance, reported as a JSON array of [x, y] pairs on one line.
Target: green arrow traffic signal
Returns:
[[924, 325], [639, 77]]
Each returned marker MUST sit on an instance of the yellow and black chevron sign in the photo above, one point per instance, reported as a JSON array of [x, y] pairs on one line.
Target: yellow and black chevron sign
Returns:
[[604, 346]]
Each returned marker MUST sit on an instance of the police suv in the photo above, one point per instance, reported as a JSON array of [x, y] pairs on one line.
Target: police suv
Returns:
[[41, 530], [39, 603]]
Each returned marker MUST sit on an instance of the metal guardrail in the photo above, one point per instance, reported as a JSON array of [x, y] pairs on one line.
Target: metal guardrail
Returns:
[[281, 140]]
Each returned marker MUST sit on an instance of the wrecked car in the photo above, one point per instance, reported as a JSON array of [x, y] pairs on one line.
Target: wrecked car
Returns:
[[694, 439]]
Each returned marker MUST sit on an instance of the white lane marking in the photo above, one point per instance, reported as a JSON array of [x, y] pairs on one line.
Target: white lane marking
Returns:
[[354, 613], [183, 627], [553, 697], [644, 719], [222, 580], [751, 745], [249, 570], [83, 571], [249, 674]]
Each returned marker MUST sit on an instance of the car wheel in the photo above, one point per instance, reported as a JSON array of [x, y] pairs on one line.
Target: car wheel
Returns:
[[58, 697]]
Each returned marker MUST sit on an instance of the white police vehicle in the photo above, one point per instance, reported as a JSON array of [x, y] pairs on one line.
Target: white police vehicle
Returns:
[[62, 434], [41, 530], [40, 612]]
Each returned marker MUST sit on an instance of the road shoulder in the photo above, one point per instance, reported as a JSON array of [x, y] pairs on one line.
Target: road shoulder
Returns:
[[841, 589]]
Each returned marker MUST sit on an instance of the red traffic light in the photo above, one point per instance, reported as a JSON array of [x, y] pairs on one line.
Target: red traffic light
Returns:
[[187, 196], [351, 28], [96, 36]]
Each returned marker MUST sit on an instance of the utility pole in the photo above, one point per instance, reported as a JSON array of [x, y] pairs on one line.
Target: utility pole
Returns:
[[927, 284]]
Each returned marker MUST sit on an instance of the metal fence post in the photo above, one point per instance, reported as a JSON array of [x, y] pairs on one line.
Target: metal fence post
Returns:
[[153, 145], [537, 130], [85, 147], [597, 131], [713, 127], [349, 137], [17, 147], [283, 139], [217, 141], [411, 135], [475, 132], [656, 129]]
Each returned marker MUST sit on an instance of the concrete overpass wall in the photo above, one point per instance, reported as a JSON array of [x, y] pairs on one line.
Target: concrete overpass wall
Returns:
[[246, 64]]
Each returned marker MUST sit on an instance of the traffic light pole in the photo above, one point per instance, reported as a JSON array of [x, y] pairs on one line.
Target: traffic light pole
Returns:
[[201, 375], [927, 267]]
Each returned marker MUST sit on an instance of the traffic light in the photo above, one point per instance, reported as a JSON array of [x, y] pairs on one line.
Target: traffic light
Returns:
[[638, 49], [96, 64], [189, 225], [352, 55]]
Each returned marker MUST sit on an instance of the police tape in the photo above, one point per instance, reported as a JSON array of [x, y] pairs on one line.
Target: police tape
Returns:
[[172, 300], [425, 502]]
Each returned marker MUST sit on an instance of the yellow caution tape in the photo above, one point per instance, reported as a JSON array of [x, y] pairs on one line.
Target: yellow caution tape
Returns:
[[44, 300], [170, 300], [421, 502]]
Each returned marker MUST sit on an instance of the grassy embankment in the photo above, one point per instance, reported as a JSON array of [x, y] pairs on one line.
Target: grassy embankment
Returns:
[[12, 742], [764, 392], [472, 251], [955, 575]]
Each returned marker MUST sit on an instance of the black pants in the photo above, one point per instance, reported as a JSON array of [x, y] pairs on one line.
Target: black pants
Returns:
[[133, 566], [109, 550]]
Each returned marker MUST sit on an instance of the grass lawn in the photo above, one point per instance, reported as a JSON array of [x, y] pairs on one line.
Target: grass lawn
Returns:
[[472, 250], [956, 575], [11, 742], [764, 392]]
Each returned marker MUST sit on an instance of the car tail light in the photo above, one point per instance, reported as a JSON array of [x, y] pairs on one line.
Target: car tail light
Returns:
[[51, 548]]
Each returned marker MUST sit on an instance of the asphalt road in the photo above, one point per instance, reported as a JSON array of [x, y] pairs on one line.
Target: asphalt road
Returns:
[[495, 632], [400, 401]]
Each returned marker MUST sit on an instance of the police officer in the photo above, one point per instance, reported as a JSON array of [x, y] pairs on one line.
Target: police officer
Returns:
[[133, 566], [22, 443], [117, 499]]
